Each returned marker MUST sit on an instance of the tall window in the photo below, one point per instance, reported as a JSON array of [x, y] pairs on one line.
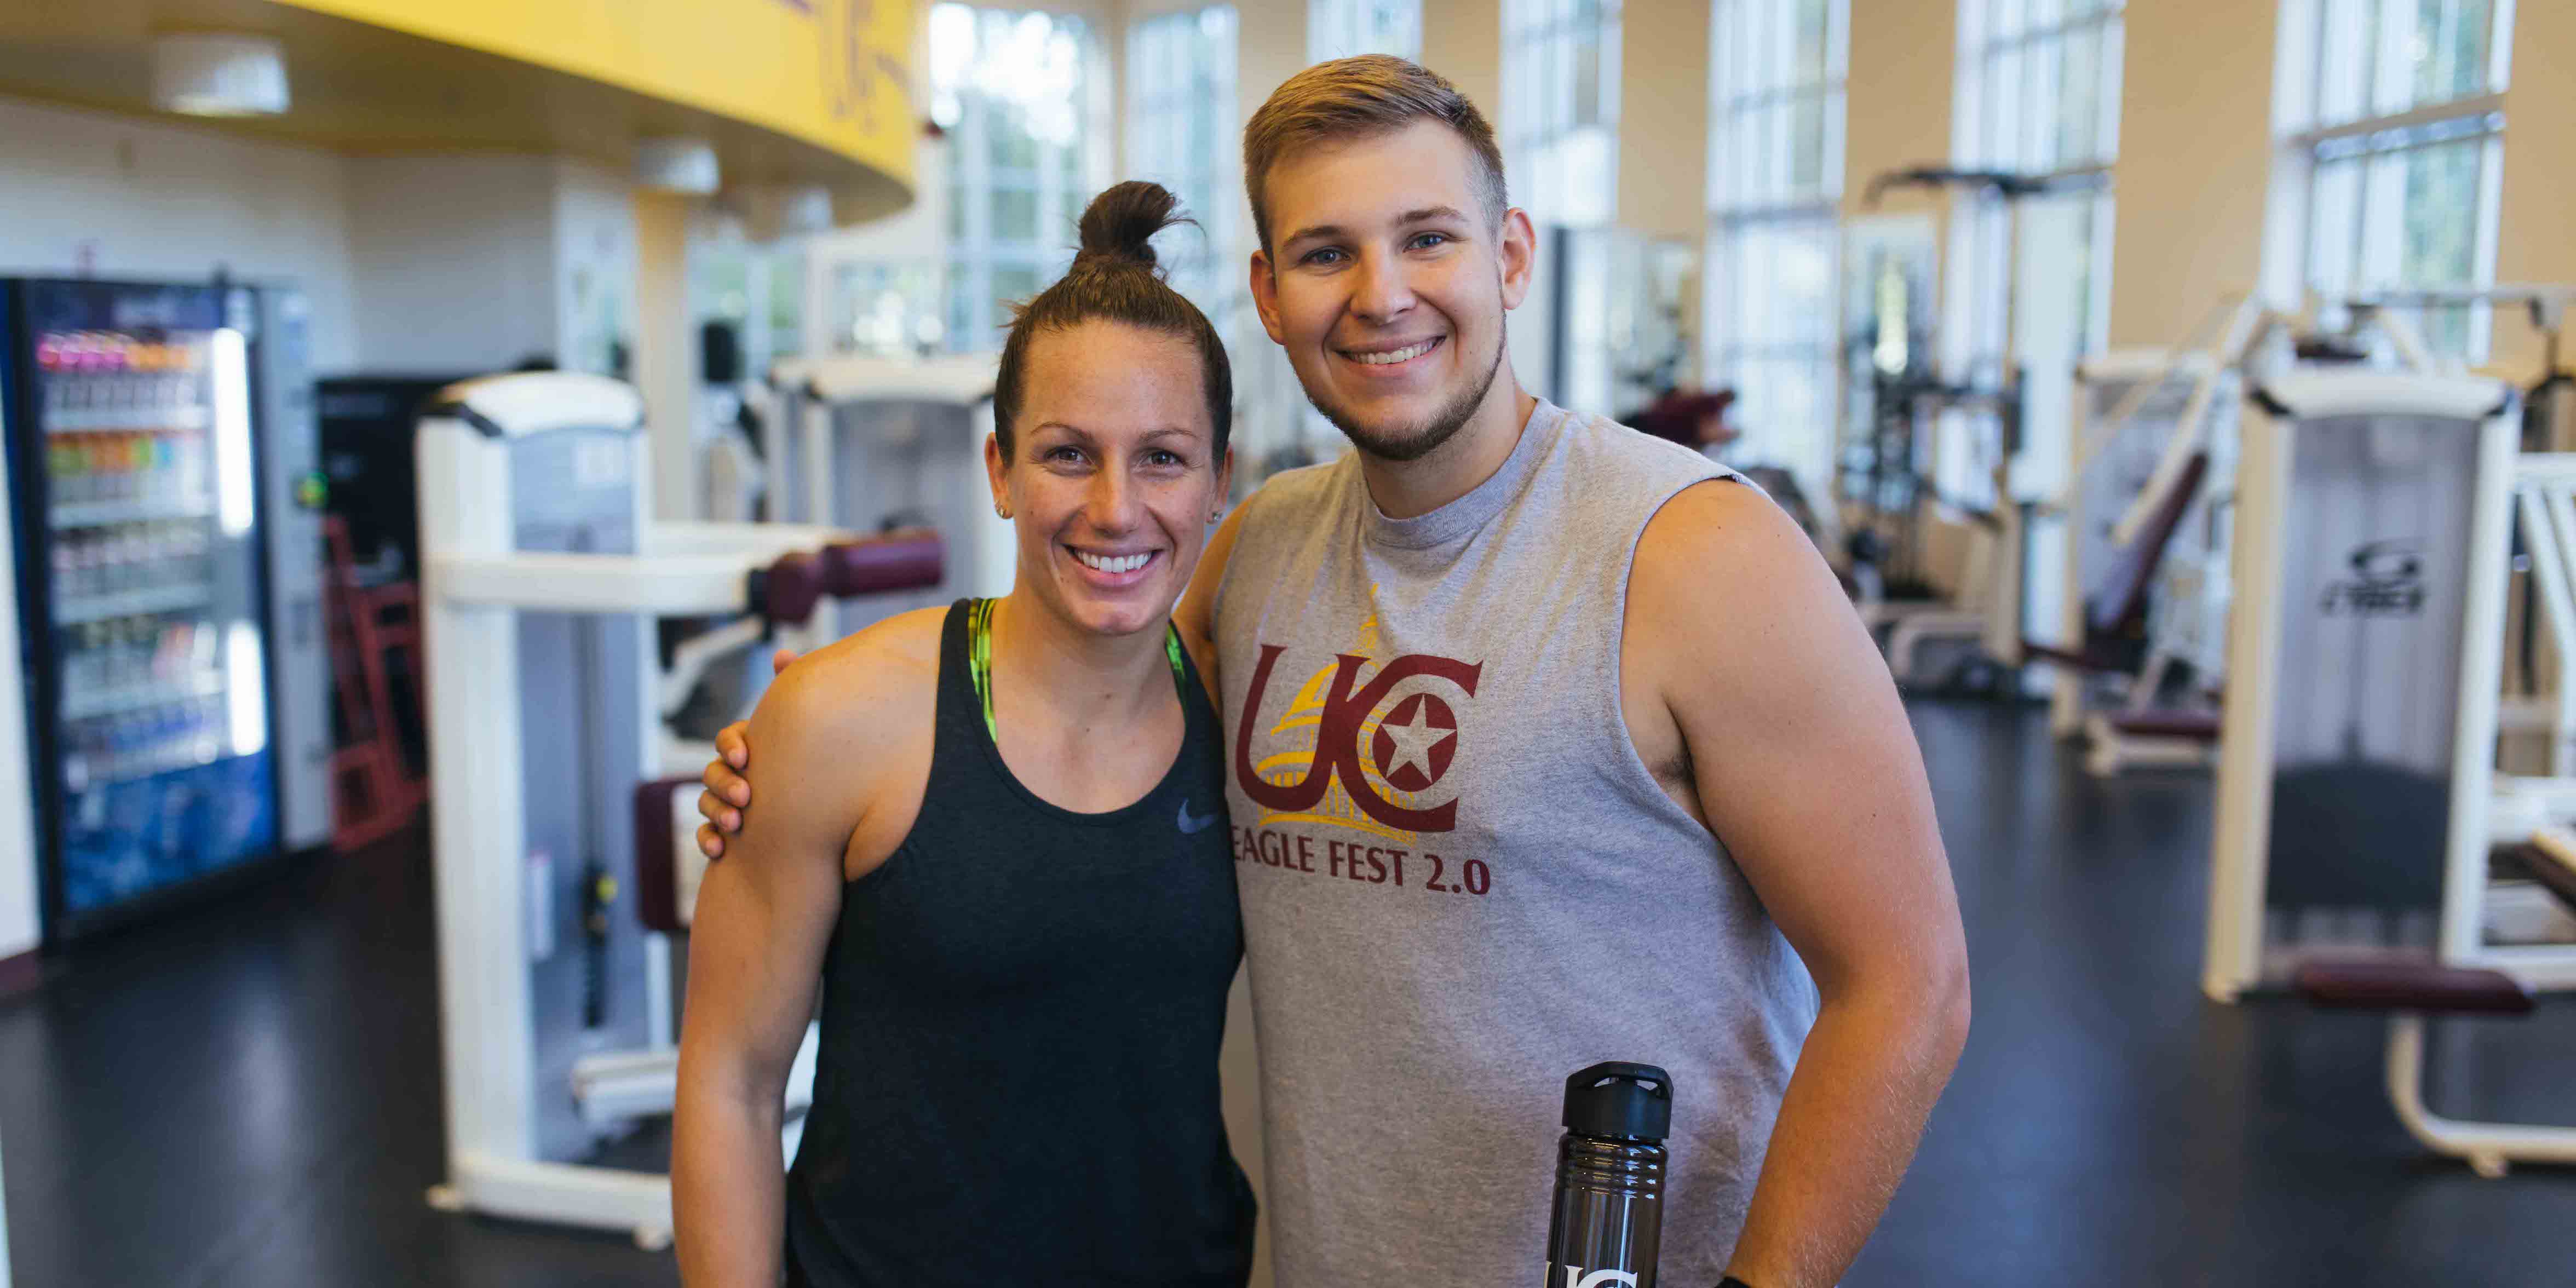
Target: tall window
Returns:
[[1016, 93], [2028, 288], [1182, 131], [1775, 177], [2038, 95], [758, 288], [1561, 108], [889, 306], [1342, 28], [2039, 84], [2394, 110], [1181, 134]]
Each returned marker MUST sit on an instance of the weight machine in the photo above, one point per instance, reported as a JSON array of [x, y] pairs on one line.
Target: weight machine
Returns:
[[2184, 401], [2370, 549], [2377, 515], [541, 562], [2549, 402], [2508, 843], [1887, 474], [876, 444], [2134, 614]]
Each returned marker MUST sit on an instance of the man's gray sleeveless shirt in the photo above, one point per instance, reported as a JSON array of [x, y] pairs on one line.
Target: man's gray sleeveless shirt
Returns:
[[1459, 882]]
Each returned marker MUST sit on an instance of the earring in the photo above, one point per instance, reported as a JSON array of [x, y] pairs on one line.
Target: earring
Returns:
[[1001, 509]]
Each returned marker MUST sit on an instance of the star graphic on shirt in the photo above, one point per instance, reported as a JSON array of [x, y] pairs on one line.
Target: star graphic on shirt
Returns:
[[1413, 742]]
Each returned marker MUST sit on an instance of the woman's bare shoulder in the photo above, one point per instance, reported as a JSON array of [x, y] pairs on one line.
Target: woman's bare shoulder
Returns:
[[852, 707], [886, 671], [851, 727]]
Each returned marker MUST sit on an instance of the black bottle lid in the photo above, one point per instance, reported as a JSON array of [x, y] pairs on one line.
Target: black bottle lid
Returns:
[[1618, 1099]]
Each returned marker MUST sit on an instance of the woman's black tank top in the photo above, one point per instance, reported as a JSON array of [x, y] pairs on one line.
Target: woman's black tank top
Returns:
[[1021, 1010]]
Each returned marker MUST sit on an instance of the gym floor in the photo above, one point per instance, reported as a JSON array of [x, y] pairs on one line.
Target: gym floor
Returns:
[[249, 1094]]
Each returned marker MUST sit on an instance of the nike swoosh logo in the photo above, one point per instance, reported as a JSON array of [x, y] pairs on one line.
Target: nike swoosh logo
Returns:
[[1192, 826]]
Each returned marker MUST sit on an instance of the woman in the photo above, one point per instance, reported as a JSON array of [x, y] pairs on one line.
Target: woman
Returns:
[[985, 834]]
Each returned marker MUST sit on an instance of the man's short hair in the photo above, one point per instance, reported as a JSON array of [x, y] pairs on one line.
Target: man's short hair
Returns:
[[1353, 98]]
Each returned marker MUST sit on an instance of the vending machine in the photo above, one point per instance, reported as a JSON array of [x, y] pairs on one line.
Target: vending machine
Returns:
[[170, 614]]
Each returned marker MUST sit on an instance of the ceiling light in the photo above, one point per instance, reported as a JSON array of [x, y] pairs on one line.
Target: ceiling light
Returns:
[[218, 74], [678, 164]]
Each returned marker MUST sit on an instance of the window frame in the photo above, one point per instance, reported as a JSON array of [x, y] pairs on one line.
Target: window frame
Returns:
[[1974, 282], [1980, 317], [1344, 28], [2310, 142], [1543, 116], [1730, 354], [973, 310], [1196, 260]]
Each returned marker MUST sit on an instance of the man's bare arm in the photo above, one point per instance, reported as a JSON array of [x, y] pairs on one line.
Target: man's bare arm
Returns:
[[1805, 767], [727, 792], [1195, 616]]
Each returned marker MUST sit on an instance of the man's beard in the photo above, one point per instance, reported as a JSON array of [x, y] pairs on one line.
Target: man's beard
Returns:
[[1421, 440]]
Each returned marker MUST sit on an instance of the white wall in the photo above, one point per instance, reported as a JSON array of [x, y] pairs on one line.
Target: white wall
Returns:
[[19, 918], [596, 261], [477, 261], [422, 263], [116, 196], [428, 263], [458, 255], [110, 196]]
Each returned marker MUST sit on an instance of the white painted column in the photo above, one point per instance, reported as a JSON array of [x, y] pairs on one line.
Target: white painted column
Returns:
[[666, 360]]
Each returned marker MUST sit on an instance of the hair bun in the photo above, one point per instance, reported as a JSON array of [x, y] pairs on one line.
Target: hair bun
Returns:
[[1119, 224]]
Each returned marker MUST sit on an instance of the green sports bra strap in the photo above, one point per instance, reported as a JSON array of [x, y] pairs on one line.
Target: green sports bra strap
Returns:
[[979, 659]]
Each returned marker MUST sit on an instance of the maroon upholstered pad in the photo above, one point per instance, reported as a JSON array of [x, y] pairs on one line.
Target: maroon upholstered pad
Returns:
[[911, 559], [2199, 725], [657, 900], [2381, 985], [791, 588]]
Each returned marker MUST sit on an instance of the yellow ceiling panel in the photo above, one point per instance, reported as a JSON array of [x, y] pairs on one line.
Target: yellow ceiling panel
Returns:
[[808, 91]]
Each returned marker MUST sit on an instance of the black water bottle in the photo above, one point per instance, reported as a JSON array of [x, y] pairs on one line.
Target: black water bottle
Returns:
[[1609, 1215]]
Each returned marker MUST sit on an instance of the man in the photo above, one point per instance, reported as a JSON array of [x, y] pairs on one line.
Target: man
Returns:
[[1550, 744]]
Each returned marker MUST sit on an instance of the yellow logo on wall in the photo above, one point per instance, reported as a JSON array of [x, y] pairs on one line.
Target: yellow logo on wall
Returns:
[[865, 80]]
